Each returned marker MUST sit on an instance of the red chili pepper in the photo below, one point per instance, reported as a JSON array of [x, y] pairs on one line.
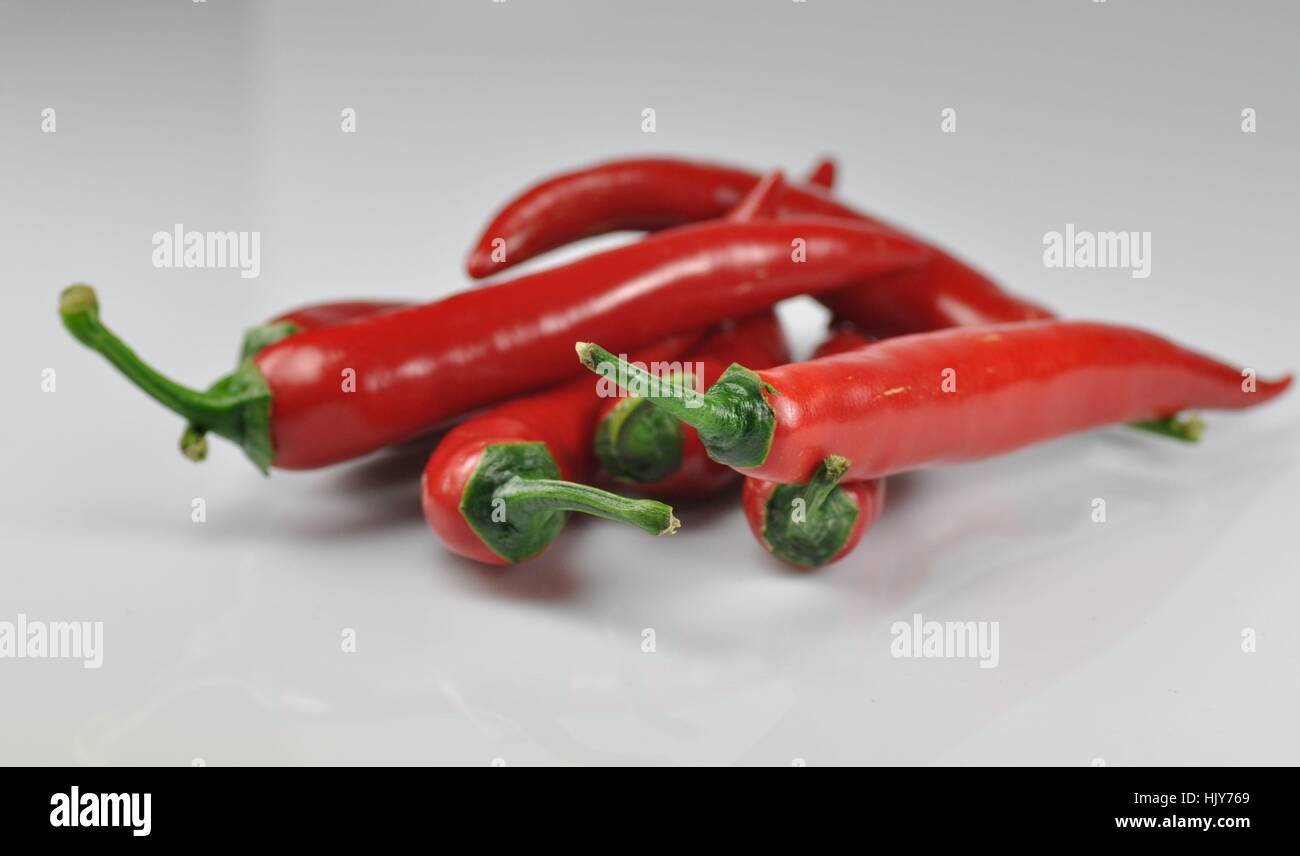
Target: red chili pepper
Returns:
[[316, 316], [194, 442], [499, 486], [329, 395], [652, 194], [945, 397], [639, 195], [642, 445], [815, 523]]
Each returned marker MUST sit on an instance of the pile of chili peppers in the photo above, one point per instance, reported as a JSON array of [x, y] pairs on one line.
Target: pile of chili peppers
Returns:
[[927, 362]]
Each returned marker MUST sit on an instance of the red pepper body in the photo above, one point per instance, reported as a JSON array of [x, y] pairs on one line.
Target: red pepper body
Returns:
[[316, 316], [649, 194], [944, 292], [868, 497], [320, 315], [341, 392], [641, 195], [884, 407], [842, 338], [754, 341]]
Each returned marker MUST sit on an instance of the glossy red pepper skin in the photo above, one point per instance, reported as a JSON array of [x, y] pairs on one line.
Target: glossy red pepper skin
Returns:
[[841, 339], [887, 409], [644, 194], [754, 341], [884, 407], [868, 497], [417, 368], [315, 316], [638, 194], [562, 419], [318, 315]]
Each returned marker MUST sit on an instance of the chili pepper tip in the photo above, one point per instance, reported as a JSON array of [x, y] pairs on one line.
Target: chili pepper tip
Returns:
[[673, 525]]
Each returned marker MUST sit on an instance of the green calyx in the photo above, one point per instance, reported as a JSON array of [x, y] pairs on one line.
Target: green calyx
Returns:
[[263, 336], [194, 439], [638, 443], [517, 503], [733, 418], [237, 407], [808, 525]]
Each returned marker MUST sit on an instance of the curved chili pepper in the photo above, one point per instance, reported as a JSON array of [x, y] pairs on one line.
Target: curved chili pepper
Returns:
[[499, 486], [650, 194], [643, 194], [817, 523], [194, 441], [329, 395], [639, 444], [945, 397]]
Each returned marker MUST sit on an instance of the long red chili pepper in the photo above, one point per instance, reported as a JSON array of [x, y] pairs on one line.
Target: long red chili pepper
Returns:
[[325, 396], [945, 397], [639, 444], [499, 486], [661, 192], [194, 442], [816, 523], [642, 194]]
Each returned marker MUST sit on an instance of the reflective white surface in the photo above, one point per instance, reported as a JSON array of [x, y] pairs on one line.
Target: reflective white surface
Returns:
[[1119, 641]]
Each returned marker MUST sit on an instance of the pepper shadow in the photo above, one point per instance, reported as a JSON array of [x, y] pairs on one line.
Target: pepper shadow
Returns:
[[548, 578]]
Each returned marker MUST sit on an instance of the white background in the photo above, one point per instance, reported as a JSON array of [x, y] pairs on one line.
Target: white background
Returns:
[[1120, 641]]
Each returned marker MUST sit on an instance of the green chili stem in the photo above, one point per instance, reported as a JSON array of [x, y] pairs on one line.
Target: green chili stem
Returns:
[[824, 481], [699, 410], [646, 514], [1187, 428], [216, 411]]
